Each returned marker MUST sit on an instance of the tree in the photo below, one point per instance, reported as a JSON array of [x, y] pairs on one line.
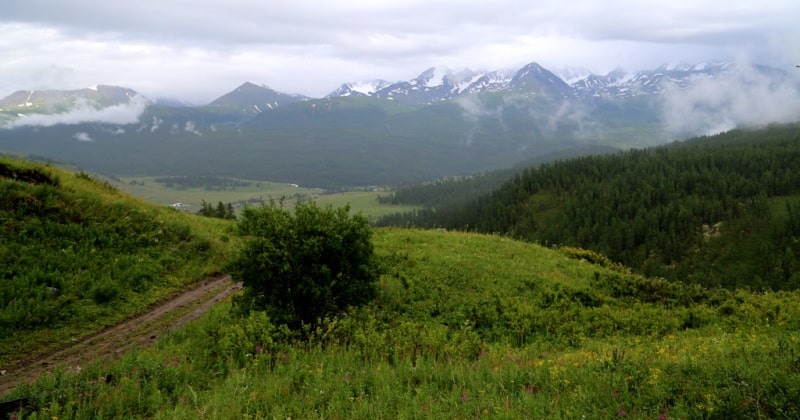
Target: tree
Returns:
[[304, 265], [221, 212]]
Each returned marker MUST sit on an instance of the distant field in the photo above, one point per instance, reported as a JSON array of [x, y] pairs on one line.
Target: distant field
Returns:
[[363, 201], [191, 199]]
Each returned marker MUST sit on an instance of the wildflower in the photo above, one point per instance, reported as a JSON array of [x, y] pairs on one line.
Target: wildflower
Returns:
[[464, 397]]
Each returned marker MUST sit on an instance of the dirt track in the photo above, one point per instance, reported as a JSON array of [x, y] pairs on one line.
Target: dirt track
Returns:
[[139, 331]]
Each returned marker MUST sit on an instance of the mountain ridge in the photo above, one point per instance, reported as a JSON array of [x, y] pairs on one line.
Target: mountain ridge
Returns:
[[432, 85]]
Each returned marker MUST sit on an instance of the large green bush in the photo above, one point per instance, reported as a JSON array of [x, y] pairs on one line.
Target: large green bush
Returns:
[[304, 265]]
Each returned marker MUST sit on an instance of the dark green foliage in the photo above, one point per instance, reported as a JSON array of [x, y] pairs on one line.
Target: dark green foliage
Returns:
[[449, 192], [209, 183], [307, 264], [221, 211], [718, 211]]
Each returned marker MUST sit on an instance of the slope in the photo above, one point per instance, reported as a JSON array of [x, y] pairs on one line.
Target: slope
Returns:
[[76, 256], [467, 325]]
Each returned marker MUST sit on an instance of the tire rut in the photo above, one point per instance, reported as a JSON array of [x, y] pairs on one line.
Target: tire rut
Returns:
[[139, 331]]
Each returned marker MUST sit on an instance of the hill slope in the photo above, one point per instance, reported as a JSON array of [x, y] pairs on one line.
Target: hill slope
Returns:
[[76, 256], [468, 325]]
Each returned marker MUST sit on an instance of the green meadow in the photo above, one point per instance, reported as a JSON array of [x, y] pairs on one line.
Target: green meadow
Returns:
[[464, 326]]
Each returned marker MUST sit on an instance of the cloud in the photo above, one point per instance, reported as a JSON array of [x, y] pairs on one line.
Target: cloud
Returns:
[[744, 97], [560, 118], [196, 50], [86, 112], [82, 136], [190, 127]]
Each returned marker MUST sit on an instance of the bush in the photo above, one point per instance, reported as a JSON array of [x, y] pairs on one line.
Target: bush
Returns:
[[305, 265]]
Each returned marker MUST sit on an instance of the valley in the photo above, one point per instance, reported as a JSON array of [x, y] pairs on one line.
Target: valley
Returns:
[[255, 193], [439, 124], [532, 250]]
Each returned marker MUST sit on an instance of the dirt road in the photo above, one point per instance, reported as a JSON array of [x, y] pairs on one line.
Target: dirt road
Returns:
[[139, 331]]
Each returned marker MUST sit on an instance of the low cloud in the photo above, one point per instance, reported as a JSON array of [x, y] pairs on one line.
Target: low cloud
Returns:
[[190, 127], [743, 98], [82, 136], [86, 112], [558, 119]]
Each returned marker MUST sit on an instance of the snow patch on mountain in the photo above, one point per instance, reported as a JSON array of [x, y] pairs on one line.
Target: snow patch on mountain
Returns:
[[363, 88]]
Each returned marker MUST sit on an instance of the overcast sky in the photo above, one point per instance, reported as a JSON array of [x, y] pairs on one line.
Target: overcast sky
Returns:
[[197, 50]]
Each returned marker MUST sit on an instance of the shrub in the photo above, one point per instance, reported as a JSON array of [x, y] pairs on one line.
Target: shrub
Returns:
[[304, 265]]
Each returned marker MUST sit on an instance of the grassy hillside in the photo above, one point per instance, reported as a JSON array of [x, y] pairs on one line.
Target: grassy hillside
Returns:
[[468, 325], [76, 255]]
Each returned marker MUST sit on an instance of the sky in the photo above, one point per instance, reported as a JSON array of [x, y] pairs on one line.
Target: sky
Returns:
[[198, 50]]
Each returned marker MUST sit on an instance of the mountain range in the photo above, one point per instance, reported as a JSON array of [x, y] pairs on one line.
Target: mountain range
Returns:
[[431, 86], [440, 123]]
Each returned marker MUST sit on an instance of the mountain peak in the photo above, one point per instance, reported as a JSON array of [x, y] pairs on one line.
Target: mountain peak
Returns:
[[533, 78], [254, 99], [251, 86]]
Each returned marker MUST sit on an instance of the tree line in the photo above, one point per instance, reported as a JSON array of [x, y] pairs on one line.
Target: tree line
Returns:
[[719, 211], [210, 183]]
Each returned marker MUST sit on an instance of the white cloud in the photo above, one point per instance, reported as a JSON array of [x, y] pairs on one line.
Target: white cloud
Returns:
[[190, 127], [85, 112], [744, 98], [197, 50], [82, 136]]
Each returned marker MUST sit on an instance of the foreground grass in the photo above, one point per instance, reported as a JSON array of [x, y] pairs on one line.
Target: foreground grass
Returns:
[[467, 326]]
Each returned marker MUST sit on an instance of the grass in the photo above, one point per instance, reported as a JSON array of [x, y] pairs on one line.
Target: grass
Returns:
[[77, 255], [467, 325]]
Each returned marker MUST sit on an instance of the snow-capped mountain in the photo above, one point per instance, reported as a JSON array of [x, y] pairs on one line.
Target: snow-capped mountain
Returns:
[[366, 88], [571, 74], [619, 84], [437, 84], [495, 81], [432, 85], [534, 78]]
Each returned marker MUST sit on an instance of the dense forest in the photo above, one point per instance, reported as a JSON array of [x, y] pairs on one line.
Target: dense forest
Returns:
[[722, 210]]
